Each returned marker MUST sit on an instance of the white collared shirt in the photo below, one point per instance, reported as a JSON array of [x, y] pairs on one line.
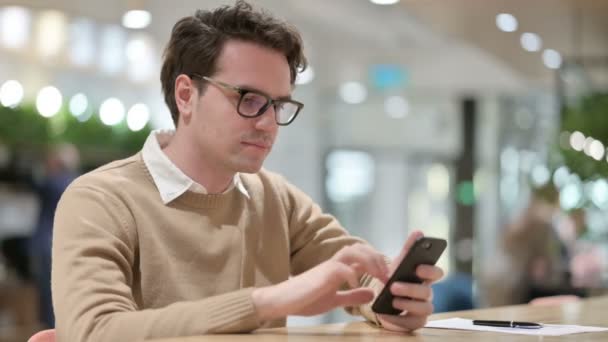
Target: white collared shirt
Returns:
[[170, 181]]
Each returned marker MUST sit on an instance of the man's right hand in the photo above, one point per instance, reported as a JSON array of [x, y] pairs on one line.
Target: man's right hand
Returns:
[[318, 290]]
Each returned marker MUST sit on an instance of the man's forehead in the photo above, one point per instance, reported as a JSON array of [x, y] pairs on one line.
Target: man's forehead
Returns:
[[255, 67]]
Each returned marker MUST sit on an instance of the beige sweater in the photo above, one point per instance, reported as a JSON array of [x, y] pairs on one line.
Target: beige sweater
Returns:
[[127, 267]]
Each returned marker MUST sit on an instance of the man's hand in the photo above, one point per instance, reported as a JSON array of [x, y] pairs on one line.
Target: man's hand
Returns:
[[413, 299], [318, 290]]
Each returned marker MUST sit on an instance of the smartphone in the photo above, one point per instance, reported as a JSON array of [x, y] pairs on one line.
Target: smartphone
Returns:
[[425, 250]]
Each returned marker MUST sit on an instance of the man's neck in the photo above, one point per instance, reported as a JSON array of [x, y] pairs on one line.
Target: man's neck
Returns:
[[191, 162]]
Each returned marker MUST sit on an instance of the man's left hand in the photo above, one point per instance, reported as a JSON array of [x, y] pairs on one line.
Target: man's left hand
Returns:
[[413, 299]]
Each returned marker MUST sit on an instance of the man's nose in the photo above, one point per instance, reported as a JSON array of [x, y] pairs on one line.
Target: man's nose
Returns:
[[267, 120]]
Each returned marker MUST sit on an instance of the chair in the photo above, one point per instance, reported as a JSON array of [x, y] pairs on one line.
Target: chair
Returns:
[[43, 336]]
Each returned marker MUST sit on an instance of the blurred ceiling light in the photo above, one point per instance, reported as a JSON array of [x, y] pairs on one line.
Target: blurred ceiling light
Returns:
[[51, 33], [561, 176], [552, 59], [136, 49], [136, 19], [353, 92], [571, 196], [384, 2], [112, 49], [11, 93], [137, 117], [396, 107], [599, 194], [78, 105], [82, 41], [14, 26], [577, 141], [305, 76], [531, 42], [141, 57], [111, 112], [540, 175], [506, 22], [438, 182], [350, 175], [597, 150], [48, 101], [509, 159]]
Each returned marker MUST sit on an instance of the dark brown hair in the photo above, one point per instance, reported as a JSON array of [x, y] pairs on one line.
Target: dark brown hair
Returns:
[[197, 41]]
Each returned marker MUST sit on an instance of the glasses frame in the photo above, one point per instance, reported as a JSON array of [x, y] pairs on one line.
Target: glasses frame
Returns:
[[243, 91]]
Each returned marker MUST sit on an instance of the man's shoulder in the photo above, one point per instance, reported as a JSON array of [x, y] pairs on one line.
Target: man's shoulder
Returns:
[[114, 174]]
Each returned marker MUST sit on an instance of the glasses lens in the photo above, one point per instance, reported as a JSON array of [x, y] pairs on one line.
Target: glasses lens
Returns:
[[251, 103], [285, 111]]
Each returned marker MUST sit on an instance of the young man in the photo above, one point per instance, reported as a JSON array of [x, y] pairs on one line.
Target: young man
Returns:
[[190, 236]]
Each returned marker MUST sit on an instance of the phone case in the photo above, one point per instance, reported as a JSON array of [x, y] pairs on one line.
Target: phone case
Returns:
[[425, 251]]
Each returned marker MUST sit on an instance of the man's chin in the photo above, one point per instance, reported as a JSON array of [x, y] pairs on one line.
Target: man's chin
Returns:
[[250, 168]]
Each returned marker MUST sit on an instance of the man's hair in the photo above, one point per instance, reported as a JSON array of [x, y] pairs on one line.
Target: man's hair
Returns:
[[197, 41]]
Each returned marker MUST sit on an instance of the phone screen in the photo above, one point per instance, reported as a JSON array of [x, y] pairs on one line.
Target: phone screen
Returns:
[[425, 251]]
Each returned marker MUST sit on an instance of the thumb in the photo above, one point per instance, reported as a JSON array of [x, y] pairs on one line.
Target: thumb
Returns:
[[414, 236], [354, 297]]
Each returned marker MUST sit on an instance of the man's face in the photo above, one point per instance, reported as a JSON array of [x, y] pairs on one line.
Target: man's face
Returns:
[[223, 137]]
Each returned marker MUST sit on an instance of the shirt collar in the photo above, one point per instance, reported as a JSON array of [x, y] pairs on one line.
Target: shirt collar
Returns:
[[170, 181]]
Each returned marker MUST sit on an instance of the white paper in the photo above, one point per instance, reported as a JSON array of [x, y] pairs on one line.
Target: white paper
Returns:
[[546, 330]]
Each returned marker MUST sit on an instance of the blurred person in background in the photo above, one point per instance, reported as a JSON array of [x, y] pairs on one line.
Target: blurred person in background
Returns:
[[191, 236], [60, 169], [534, 253]]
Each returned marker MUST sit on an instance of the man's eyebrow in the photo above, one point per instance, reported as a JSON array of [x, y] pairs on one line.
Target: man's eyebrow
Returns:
[[284, 98], [255, 90]]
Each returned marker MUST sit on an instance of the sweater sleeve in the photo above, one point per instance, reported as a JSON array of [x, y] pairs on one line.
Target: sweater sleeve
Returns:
[[94, 252], [315, 237]]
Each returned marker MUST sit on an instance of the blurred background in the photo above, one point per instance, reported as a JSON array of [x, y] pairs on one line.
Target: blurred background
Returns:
[[484, 122]]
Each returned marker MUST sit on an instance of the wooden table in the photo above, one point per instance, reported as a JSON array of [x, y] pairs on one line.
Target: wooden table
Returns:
[[592, 312]]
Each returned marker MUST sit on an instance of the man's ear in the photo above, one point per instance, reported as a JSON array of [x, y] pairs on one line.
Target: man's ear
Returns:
[[185, 92]]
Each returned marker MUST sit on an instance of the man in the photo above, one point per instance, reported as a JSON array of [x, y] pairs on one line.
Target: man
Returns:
[[191, 236]]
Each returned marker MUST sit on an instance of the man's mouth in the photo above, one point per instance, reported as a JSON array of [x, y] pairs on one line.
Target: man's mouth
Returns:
[[261, 145]]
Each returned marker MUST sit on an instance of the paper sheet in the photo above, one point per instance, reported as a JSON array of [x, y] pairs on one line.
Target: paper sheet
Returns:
[[546, 330]]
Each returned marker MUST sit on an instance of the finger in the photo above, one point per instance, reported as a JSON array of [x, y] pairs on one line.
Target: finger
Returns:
[[411, 290], [365, 256], [354, 297], [380, 263], [358, 268], [380, 260], [344, 273], [402, 323], [415, 235], [428, 273], [413, 307]]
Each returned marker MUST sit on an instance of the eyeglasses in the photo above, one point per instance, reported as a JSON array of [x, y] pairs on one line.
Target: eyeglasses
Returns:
[[252, 103]]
